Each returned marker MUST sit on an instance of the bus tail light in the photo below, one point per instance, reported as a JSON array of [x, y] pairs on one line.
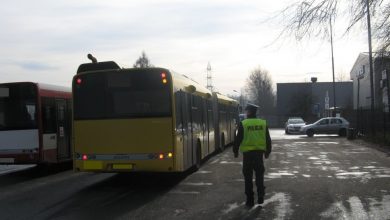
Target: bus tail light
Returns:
[[162, 156], [164, 78], [79, 81]]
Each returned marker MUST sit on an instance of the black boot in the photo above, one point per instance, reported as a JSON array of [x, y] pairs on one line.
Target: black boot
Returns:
[[250, 202], [260, 200], [260, 196]]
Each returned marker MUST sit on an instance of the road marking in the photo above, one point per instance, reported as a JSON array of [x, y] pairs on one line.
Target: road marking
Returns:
[[377, 209], [357, 208]]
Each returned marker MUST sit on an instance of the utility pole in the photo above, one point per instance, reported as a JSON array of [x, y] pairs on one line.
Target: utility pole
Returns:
[[331, 48], [371, 69], [334, 83], [209, 78]]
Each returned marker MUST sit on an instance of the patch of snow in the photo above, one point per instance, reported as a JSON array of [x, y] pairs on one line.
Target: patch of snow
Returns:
[[351, 174], [231, 207], [313, 158], [230, 162], [283, 206], [184, 192], [197, 184]]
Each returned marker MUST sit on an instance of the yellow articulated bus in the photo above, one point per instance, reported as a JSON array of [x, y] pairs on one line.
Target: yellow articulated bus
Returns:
[[145, 119]]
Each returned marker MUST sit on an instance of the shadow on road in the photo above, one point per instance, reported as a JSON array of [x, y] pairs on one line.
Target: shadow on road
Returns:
[[115, 196], [32, 173], [322, 136]]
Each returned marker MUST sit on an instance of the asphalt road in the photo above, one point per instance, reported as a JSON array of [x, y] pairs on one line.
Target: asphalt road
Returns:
[[325, 177]]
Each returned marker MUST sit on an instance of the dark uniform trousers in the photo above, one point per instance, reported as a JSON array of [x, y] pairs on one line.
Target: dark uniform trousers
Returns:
[[253, 161]]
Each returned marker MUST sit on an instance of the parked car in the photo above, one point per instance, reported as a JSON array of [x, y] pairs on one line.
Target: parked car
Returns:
[[293, 125], [329, 125]]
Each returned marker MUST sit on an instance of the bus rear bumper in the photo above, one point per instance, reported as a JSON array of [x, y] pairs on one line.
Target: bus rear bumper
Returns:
[[113, 166]]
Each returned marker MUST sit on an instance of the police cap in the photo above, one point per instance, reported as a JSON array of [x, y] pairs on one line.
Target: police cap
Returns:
[[251, 107]]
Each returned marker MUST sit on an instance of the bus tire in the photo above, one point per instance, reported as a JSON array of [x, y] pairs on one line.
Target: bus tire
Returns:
[[198, 161], [222, 147]]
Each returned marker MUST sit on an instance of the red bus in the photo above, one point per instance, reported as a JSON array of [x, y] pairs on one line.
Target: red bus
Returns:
[[35, 123]]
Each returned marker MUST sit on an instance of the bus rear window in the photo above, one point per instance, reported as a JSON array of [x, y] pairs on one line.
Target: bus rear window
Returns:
[[18, 106], [121, 94]]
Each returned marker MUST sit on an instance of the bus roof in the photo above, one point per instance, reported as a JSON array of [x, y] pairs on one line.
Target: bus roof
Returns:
[[224, 99], [182, 82], [48, 89], [44, 86]]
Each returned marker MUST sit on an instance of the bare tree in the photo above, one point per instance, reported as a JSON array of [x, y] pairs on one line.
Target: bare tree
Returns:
[[383, 28], [142, 62], [341, 76], [260, 90], [307, 18]]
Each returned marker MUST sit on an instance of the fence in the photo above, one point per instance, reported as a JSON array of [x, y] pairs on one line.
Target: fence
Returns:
[[377, 130]]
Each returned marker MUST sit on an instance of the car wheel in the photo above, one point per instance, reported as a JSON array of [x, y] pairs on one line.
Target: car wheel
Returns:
[[286, 132], [343, 132], [310, 133]]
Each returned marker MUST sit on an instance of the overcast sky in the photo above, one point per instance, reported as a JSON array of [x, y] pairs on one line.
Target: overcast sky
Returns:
[[45, 41]]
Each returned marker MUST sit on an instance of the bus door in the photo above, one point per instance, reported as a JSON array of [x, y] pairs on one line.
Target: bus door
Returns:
[[63, 148], [187, 131], [193, 126], [204, 123]]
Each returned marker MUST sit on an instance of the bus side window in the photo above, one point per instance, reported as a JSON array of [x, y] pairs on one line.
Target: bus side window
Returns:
[[210, 116], [49, 115], [178, 99]]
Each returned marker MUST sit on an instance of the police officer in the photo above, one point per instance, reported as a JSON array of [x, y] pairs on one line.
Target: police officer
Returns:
[[254, 142]]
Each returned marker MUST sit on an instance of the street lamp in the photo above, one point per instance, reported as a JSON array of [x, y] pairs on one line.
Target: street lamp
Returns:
[[331, 48]]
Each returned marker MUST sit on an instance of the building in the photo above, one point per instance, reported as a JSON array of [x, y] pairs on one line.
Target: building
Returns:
[[360, 75], [312, 100]]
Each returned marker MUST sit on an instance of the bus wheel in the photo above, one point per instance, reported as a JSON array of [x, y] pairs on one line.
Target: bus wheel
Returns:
[[222, 148], [198, 155]]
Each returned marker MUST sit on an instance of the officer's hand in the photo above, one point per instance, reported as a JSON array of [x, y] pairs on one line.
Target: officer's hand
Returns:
[[235, 154]]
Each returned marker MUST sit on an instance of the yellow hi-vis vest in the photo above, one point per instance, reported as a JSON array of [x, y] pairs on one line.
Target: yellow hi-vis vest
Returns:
[[254, 135]]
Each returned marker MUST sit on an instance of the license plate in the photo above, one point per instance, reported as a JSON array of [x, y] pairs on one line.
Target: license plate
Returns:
[[93, 165], [122, 166], [7, 160]]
